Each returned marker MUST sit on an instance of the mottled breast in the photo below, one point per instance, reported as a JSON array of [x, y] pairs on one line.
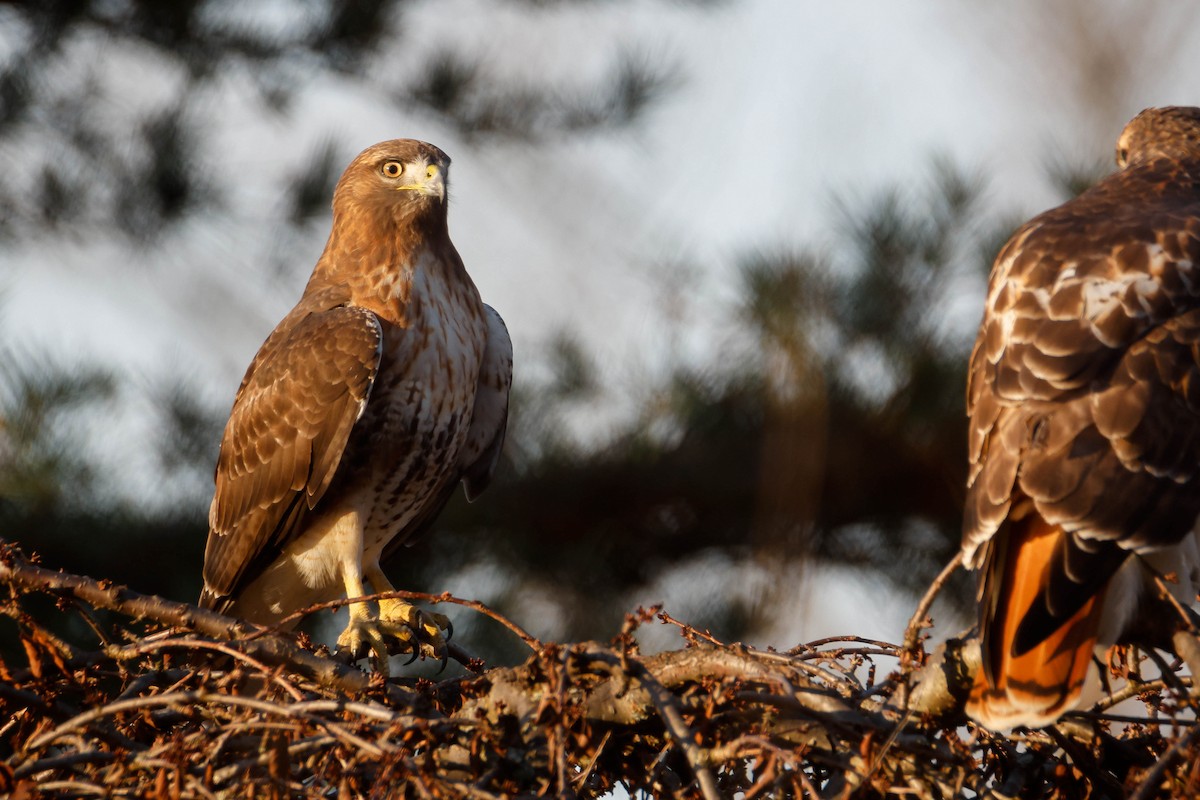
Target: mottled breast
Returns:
[[417, 419]]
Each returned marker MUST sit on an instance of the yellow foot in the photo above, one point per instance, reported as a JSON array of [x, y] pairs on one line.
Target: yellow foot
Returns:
[[364, 635], [420, 630], [417, 632]]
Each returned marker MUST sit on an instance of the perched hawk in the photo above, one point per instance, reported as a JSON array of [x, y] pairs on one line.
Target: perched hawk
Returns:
[[1084, 439], [384, 387]]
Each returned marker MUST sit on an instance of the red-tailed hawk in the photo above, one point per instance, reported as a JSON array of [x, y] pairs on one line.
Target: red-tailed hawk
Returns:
[[1084, 438], [384, 387]]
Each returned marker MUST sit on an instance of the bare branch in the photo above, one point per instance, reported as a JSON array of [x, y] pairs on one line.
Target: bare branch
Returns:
[[274, 649], [179, 714], [920, 617]]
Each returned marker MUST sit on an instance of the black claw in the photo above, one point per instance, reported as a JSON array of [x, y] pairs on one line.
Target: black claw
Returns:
[[348, 656], [416, 652], [445, 660], [449, 630]]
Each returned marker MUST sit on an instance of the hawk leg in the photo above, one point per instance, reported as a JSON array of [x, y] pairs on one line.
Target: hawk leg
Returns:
[[363, 632], [420, 632]]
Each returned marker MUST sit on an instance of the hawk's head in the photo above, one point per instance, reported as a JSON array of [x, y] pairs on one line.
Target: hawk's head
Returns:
[[399, 178], [1168, 132]]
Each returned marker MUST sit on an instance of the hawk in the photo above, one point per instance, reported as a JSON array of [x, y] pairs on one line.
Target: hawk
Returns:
[[376, 395], [1084, 437]]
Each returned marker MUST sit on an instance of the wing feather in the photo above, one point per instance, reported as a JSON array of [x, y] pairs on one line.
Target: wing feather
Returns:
[[1083, 402], [1080, 387], [287, 432], [489, 419]]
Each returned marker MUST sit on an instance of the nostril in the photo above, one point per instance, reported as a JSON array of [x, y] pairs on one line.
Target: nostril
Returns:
[[430, 171]]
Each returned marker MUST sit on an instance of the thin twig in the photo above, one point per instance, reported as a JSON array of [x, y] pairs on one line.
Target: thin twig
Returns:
[[688, 632], [582, 778], [141, 648], [912, 632], [274, 650], [668, 710], [64, 760], [297, 710], [1185, 616], [1150, 784]]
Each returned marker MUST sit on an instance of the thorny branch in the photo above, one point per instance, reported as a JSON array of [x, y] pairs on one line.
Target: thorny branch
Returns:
[[114, 693]]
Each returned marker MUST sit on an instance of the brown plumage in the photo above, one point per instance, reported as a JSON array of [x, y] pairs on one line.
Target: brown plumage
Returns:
[[384, 387], [1084, 437]]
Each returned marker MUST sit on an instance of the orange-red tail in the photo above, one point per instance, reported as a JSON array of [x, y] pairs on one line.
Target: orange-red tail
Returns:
[[1035, 687]]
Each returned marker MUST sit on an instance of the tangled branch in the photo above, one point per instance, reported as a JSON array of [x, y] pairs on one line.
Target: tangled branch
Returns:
[[119, 694]]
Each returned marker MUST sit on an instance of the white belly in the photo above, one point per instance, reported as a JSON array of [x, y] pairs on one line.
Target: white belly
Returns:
[[310, 569]]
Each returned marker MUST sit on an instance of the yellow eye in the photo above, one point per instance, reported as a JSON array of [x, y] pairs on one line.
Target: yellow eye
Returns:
[[392, 169]]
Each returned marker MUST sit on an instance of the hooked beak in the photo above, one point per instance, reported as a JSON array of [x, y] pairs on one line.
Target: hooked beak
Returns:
[[429, 181]]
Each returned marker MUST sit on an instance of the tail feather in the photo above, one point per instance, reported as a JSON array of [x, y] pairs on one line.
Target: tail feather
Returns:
[[1035, 687]]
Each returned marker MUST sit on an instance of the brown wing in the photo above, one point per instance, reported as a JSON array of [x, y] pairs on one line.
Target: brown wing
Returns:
[[285, 437], [1080, 393]]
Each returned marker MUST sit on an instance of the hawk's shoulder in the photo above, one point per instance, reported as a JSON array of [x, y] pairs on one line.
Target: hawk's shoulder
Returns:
[[1079, 283]]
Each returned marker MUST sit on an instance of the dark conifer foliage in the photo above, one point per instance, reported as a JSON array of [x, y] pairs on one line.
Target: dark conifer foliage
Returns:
[[146, 173]]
